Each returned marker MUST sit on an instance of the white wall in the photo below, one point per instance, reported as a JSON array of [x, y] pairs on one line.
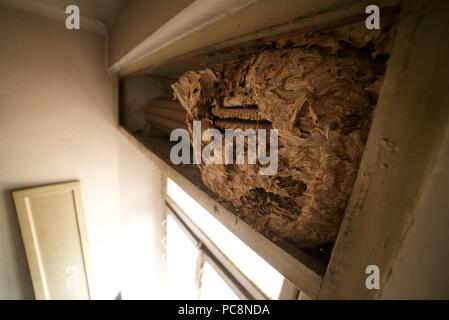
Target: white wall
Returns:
[[140, 195], [57, 122], [140, 185]]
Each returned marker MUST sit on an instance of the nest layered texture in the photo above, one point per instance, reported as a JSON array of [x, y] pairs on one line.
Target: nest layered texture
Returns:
[[319, 90]]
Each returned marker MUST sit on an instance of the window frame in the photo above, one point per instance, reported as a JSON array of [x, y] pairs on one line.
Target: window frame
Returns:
[[238, 282]]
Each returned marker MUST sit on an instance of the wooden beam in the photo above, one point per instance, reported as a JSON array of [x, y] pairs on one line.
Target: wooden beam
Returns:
[[407, 129], [231, 38]]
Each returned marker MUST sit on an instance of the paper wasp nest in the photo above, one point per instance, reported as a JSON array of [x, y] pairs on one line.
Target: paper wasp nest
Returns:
[[319, 90]]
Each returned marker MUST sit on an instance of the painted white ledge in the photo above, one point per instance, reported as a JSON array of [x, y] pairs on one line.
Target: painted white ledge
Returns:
[[194, 17]]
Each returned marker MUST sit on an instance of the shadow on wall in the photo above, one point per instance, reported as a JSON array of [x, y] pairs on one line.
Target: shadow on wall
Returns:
[[135, 93]]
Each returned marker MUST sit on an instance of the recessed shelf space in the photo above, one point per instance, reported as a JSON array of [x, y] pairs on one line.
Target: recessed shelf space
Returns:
[[149, 113]]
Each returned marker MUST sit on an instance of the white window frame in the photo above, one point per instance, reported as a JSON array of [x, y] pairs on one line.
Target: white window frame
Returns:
[[238, 282]]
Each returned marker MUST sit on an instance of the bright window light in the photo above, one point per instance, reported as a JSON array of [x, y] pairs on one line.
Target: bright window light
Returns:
[[213, 287], [260, 272], [181, 264]]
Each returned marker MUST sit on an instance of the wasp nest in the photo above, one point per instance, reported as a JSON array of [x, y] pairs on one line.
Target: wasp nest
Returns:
[[319, 90]]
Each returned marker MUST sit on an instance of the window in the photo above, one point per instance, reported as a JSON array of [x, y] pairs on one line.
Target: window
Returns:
[[205, 260]]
